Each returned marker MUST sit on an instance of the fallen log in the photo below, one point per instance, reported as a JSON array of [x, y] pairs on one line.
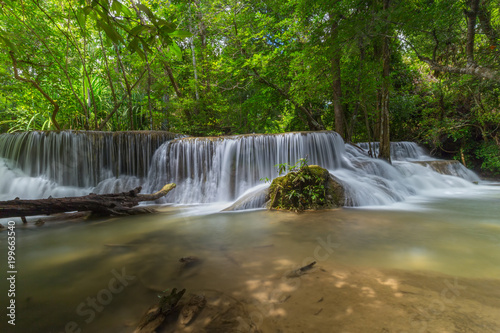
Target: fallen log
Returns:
[[156, 314], [99, 204], [301, 271]]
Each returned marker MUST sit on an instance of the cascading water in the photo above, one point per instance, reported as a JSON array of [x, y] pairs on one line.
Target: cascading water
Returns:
[[36, 164], [222, 169], [401, 151], [39, 164], [370, 181]]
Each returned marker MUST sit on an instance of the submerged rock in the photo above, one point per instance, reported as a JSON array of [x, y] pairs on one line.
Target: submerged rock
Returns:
[[450, 168], [309, 188]]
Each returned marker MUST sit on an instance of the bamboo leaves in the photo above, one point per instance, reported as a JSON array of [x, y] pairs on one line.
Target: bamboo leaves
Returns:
[[139, 35], [5, 39]]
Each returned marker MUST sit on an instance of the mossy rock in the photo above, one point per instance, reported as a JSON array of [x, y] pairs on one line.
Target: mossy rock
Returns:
[[308, 188]]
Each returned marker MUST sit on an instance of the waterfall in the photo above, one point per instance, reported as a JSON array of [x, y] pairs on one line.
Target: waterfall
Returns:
[[213, 169], [400, 151], [222, 169], [370, 181], [71, 162]]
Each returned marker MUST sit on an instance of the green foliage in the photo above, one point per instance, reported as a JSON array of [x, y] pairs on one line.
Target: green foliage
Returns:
[[303, 187], [285, 167], [228, 67], [26, 120], [489, 153], [85, 61]]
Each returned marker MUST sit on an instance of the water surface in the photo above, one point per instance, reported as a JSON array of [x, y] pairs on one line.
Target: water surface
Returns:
[[398, 257]]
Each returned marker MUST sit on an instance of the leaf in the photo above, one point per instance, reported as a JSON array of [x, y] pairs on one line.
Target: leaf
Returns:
[[110, 31], [81, 18], [117, 7], [148, 12], [137, 29], [168, 26], [180, 34], [176, 50], [146, 46], [7, 42], [165, 37], [133, 46], [102, 3], [87, 10], [8, 3], [126, 11]]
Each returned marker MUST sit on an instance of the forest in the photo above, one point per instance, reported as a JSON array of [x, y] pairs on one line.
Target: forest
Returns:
[[371, 70]]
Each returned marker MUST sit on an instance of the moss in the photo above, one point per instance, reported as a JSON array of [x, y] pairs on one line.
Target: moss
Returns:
[[308, 188]]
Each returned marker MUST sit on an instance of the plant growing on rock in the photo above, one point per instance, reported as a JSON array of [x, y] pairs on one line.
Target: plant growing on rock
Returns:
[[304, 187]]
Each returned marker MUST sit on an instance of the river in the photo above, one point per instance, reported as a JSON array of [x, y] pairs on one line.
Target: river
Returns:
[[422, 263], [415, 249]]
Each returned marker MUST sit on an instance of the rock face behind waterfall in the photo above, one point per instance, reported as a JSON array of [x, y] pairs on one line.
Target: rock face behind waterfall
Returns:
[[309, 188]]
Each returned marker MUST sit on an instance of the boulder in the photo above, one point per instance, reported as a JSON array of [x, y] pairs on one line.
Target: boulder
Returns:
[[451, 168], [308, 188]]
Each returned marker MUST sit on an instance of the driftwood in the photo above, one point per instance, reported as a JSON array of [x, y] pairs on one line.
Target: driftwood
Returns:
[[99, 204], [192, 308], [156, 314], [300, 271]]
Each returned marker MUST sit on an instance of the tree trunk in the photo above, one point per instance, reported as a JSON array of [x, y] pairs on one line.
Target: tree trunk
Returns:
[[151, 125], [203, 39], [170, 74], [471, 68], [117, 105], [471, 31], [191, 43], [385, 143], [102, 204], [485, 19], [477, 71], [350, 131], [337, 83]]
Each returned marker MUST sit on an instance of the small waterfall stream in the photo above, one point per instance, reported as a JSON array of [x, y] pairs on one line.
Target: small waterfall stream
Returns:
[[400, 151], [207, 170], [222, 169], [38, 164]]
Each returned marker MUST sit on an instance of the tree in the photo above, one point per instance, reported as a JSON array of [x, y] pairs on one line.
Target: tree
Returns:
[[476, 61], [385, 141], [76, 46]]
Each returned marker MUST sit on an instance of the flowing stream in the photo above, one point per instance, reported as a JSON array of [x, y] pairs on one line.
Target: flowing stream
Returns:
[[414, 251]]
